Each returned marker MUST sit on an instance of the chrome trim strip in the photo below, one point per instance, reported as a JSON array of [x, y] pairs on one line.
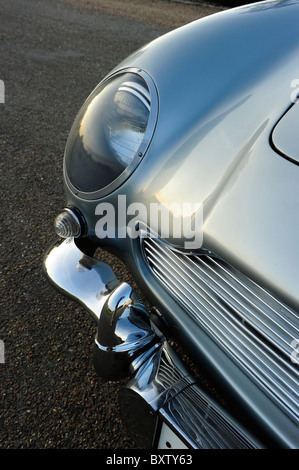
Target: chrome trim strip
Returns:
[[249, 323]]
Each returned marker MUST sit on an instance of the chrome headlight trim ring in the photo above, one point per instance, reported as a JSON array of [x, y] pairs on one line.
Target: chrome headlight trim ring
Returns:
[[148, 135]]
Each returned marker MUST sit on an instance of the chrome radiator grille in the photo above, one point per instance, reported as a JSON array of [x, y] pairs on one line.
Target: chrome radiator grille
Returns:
[[249, 323], [203, 423]]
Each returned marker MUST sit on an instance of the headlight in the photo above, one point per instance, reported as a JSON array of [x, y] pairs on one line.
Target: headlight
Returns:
[[111, 134]]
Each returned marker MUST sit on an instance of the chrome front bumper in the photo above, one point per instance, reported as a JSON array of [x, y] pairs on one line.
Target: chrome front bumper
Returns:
[[128, 344], [85, 280]]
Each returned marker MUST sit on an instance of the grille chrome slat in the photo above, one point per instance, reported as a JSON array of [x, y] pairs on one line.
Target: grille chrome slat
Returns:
[[170, 254], [263, 377], [247, 321], [292, 321], [282, 343], [237, 344], [246, 357]]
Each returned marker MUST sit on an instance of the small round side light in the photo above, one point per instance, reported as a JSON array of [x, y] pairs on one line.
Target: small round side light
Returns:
[[67, 224]]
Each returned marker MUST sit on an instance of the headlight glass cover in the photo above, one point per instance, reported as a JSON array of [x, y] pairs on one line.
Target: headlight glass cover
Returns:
[[111, 134]]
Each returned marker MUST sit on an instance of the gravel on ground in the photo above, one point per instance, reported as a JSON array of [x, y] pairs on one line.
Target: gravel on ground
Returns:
[[169, 13], [52, 54]]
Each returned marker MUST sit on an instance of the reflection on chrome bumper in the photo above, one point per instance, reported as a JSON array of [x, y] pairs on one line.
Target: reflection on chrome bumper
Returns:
[[79, 276], [128, 344]]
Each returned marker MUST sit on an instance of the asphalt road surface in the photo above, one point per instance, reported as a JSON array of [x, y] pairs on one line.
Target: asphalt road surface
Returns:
[[52, 54]]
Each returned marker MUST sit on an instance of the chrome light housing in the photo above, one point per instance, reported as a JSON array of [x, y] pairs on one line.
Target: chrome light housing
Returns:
[[70, 223], [111, 133]]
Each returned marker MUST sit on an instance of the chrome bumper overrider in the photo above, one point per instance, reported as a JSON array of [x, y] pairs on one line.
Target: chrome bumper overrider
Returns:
[[160, 389]]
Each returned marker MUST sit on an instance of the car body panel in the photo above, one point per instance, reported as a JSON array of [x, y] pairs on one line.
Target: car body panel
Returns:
[[285, 136], [223, 83], [202, 151]]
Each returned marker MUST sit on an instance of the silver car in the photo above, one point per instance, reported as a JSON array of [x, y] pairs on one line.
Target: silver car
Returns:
[[184, 162]]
